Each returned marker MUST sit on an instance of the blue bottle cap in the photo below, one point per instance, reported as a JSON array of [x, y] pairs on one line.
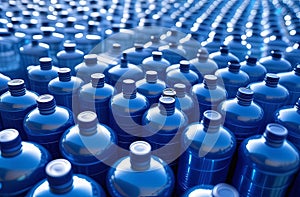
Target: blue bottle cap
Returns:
[[64, 74], [140, 155], [234, 66], [251, 60], [157, 55], [170, 92], [276, 54], [202, 54], [184, 66], [16, 87], [87, 122], [138, 46], [245, 94], [46, 104], [59, 175], [69, 46], [212, 118], [224, 49], [224, 190], [10, 142], [45, 63], [276, 133], [97, 80], [90, 59], [151, 76], [271, 79]]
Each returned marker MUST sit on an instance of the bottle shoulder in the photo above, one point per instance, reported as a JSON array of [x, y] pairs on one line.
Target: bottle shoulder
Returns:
[[119, 104], [90, 93], [56, 86], [264, 92], [18, 103]]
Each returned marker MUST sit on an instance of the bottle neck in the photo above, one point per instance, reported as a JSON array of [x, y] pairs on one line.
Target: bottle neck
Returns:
[[129, 95], [46, 108], [16, 87], [167, 109]]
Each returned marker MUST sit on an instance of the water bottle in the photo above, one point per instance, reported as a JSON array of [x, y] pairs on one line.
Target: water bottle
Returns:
[[154, 43], [191, 45], [185, 102], [207, 148], [269, 95], [173, 52], [202, 65], [266, 163], [237, 46], [124, 70], [39, 76], [140, 174], [232, 78], [95, 96], [89, 146], [291, 54], [208, 95], [69, 57], [151, 87], [60, 181], [15, 104], [46, 123], [223, 57], [89, 66], [69, 28], [25, 160], [274, 63], [219, 190], [290, 80], [53, 39], [157, 63], [126, 110], [289, 116], [162, 128], [242, 116], [65, 89], [137, 54]]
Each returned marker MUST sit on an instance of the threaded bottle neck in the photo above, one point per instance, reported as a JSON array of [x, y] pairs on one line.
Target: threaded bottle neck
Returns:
[[64, 74], [251, 61], [170, 92], [45, 63], [10, 143], [244, 96], [129, 89], [87, 123], [212, 121], [167, 105], [234, 66], [157, 55], [151, 76], [46, 104], [224, 50], [180, 90], [210, 81], [69, 47], [275, 134], [271, 80], [16, 87], [140, 155], [90, 59], [98, 80], [184, 66]]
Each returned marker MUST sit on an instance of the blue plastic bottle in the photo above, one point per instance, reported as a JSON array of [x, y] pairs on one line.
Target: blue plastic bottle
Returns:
[[69, 57], [65, 89], [89, 146], [208, 95], [274, 63], [95, 96], [173, 52], [202, 65], [231, 78], [162, 128], [223, 57], [151, 87], [89, 66], [39, 76], [182, 75], [24, 160], [137, 54], [242, 116], [266, 163], [3, 83], [15, 104], [254, 69], [185, 102], [61, 181], [270, 96], [289, 117], [291, 81], [46, 123], [207, 148], [123, 70], [237, 46], [157, 63], [140, 174], [191, 45], [154, 43], [291, 54], [126, 111], [219, 190]]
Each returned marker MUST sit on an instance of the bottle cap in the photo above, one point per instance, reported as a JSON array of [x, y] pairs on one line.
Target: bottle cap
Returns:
[[202, 54], [180, 89], [151, 76], [90, 59], [59, 174], [10, 142], [140, 155], [169, 92], [271, 79], [210, 80], [45, 63], [167, 105], [46, 103], [97, 80], [64, 74], [234, 66], [157, 55], [69, 46], [245, 94], [184, 66], [16, 87], [276, 54], [224, 190], [128, 87], [251, 60], [87, 121], [275, 132], [212, 118]]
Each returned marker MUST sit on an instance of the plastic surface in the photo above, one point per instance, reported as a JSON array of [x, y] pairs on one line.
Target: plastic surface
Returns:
[[254, 69], [15, 104], [274, 63], [137, 54], [223, 57], [140, 174], [173, 52], [208, 149], [89, 146], [95, 96], [62, 182], [14, 152], [291, 54], [219, 190], [46, 123], [268, 157]]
